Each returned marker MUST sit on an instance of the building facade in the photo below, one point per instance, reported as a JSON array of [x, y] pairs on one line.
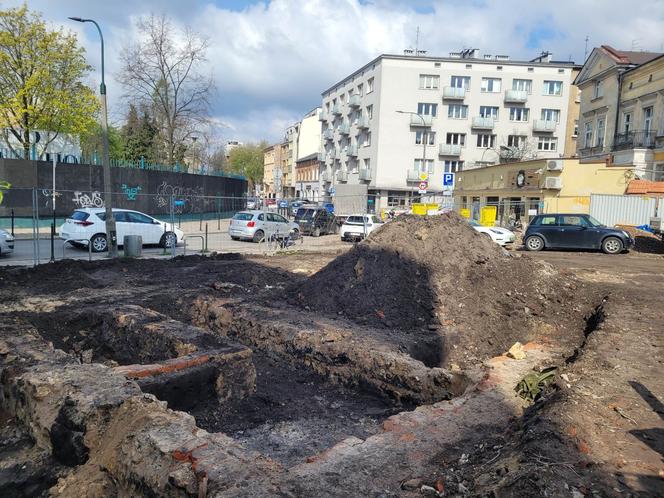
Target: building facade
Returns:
[[622, 110], [307, 172], [524, 189], [269, 161], [398, 123]]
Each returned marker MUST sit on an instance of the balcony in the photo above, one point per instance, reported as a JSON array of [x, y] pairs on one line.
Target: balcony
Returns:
[[544, 126], [590, 151], [328, 134], [516, 96], [634, 140], [322, 116], [449, 150], [422, 120], [453, 93], [342, 176], [355, 101], [363, 123], [326, 176], [351, 151], [332, 154], [365, 175], [482, 123], [344, 128], [336, 109], [321, 157], [413, 175]]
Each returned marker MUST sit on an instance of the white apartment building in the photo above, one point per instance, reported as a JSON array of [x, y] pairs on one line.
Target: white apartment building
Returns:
[[400, 119]]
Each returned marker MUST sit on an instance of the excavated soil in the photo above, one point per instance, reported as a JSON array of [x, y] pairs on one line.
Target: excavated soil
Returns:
[[449, 293]]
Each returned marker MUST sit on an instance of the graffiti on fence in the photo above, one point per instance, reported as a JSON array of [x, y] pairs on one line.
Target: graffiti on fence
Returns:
[[131, 192], [3, 186], [48, 197], [83, 200], [191, 198]]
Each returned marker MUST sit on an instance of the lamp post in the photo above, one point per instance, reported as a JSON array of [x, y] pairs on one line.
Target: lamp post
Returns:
[[111, 234]]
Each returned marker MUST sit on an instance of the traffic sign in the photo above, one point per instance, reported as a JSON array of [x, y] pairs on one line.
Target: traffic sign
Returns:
[[424, 176], [448, 180], [423, 187], [332, 190]]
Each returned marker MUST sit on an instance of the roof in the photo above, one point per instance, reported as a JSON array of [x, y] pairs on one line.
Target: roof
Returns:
[[636, 187], [308, 158], [630, 57]]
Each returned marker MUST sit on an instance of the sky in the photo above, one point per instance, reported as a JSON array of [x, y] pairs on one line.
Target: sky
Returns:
[[272, 59]]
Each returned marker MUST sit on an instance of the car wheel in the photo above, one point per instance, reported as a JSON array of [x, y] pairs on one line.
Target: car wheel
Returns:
[[612, 245], [99, 243], [316, 232], [168, 240], [258, 236], [534, 243], [295, 233]]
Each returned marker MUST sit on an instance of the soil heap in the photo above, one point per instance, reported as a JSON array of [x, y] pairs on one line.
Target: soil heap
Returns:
[[449, 291]]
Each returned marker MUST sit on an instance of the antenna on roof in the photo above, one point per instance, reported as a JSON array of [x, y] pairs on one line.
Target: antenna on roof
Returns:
[[635, 44], [585, 51], [416, 51]]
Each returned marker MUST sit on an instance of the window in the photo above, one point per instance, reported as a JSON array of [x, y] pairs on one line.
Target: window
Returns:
[[429, 136], [491, 85], [453, 166], [358, 115], [599, 136], [427, 109], [516, 140], [572, 221], [588, 135], [424, 165], [627, 122], [456, 139], [576, 128], [486, 140], [522, 85], [138, 218], [531, 69], [547, 144], [546, 220], [360, 89], [367, 139], [460, 82], [551, 115], [342, 98], [647, 119], [553, 88], [598, 90], [370, 111], [519, 114], [370, 85], [457, 111], [367, 164], [488, 112], [429, 81]]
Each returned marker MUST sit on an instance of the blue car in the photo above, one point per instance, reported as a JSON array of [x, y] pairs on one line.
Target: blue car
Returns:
[[574, 231], [329, 206]]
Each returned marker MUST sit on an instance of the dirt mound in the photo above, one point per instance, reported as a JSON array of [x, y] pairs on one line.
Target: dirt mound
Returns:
[[644, 241], [456, 293]]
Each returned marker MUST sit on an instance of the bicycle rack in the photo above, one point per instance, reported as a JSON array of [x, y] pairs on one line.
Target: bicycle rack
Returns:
[[64, 244], [193, 237]]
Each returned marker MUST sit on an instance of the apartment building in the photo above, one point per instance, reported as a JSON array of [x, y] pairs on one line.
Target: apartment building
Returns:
[[400, 121], [307, 172], [622, 110]]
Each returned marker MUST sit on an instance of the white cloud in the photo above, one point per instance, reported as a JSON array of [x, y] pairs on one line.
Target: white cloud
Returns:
[[271, 60]]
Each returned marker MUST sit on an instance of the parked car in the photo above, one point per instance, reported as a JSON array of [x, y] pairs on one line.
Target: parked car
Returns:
[[329, 206], [6, 242], [254, 225], [295, 205], [253, 203], [358, 226], [501, 236], [315, 221], [88, 226], [574, 231]]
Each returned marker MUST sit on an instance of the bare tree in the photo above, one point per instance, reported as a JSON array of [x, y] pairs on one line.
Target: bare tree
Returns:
[[523, 149], [165, 70]]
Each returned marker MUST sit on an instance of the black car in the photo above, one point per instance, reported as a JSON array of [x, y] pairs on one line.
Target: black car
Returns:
[[315, 221], [574, 231]]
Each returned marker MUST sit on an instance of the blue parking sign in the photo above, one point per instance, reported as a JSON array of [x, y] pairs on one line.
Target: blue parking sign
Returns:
[[448, 179]]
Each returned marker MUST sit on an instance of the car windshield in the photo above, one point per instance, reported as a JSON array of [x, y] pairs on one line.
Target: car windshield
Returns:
[[79, 216], [243, 216], [594, 222], [305, 214], [473, 223], [355, 220]]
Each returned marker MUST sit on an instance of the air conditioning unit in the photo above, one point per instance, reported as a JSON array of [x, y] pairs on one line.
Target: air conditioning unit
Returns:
[[553, 183], [554, 165]]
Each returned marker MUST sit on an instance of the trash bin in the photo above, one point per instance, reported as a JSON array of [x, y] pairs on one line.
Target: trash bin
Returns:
[[133, 246]]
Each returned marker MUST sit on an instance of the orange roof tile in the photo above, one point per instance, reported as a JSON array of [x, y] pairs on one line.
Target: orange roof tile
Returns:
[[645, 187]]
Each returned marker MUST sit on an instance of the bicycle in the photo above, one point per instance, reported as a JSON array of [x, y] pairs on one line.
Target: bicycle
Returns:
[[276, 241]]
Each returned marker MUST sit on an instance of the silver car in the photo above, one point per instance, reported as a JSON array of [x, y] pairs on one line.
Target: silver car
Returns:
[[6, 242], [254, 225]]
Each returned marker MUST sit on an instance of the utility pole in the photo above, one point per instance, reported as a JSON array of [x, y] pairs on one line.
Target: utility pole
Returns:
[[585, 51], [111, 233]]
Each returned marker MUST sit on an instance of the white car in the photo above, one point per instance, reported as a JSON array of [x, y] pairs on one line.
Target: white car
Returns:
[[6, 242], [88, 226], [358, 226], [501, 236]]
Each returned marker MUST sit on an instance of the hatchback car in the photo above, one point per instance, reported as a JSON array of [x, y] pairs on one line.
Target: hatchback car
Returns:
[[88, 226], [254, 225], [358, 227], [6, 242], [501, 236], [574, 231]]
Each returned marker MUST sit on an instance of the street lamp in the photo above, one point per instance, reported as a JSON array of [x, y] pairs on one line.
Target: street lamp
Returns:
[[111, 235]]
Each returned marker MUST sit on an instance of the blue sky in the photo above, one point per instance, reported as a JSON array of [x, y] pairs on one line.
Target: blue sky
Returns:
[[271, 59]]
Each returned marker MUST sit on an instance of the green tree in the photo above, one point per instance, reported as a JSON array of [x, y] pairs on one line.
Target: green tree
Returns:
[[247, 160], [41, 87], [91, 144], [140, 136]]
